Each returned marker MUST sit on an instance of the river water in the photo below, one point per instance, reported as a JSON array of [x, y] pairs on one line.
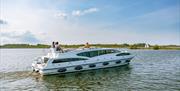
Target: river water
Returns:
[[150, 70]]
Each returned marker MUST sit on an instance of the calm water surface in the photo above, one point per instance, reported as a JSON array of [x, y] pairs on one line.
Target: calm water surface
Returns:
[[148, 71]]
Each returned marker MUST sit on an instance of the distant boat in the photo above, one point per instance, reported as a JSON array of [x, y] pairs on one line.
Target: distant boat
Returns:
[[80, 59]]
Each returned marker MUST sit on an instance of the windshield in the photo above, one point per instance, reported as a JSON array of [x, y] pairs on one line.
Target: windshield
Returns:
[[40, 60], [46, 59]]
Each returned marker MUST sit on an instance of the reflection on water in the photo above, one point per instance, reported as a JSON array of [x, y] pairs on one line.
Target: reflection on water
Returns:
[[149, 71], [89, 80], [86, 80]]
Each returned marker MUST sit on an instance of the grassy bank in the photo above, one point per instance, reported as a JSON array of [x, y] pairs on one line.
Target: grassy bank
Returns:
[[130, 46]]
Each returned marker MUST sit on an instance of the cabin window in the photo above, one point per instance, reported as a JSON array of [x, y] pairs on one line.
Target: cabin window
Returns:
[[117, 62], [105, 63], [102, 52], [93, 53], [123, 54], [111, 51], [68, 60], [85, 54], [89, 54], [97, 53], [92, 65], [79, 67], [62, 69], [127, 60]]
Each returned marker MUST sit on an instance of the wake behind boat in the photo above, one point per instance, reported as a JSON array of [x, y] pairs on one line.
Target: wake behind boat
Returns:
[[57, 62]]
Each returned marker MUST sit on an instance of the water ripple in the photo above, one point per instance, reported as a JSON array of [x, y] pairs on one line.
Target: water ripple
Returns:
[[149, 71]]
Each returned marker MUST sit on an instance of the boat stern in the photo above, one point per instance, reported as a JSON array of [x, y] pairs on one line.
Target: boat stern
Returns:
[[39, 63]]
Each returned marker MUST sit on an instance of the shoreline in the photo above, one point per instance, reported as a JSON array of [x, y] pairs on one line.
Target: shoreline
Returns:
[[103, 47], [141, 46]]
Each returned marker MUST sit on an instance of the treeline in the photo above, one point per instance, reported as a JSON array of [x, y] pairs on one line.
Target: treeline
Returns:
[[125, 45], [24, 46]]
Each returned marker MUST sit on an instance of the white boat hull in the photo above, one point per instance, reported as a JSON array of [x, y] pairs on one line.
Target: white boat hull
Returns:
[[80, 60], [85, 67]]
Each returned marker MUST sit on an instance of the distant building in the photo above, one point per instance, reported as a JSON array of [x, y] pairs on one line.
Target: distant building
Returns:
[[146, 45]]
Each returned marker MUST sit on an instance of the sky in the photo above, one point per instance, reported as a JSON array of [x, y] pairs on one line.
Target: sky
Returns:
[[93, 21]]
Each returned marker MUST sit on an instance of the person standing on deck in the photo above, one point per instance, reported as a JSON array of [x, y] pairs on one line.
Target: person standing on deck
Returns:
[[87, 45], [53, 45]]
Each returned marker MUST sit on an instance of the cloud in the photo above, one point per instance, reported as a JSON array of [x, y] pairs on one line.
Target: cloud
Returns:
[[83, 12], [62, 15], [49, 22], [29, 37], [18, 37], [2, 21]]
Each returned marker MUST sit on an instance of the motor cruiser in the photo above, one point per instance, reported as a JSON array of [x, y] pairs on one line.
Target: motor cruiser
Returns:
[[82, 59]]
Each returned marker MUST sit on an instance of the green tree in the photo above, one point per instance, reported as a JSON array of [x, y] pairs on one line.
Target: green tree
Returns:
[[156, 47], [134, 47]]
